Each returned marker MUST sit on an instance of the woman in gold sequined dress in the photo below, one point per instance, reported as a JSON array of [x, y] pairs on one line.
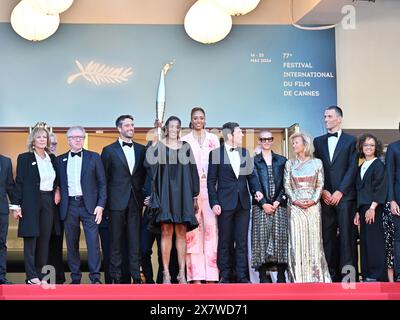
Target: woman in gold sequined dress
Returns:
[[303, 182]]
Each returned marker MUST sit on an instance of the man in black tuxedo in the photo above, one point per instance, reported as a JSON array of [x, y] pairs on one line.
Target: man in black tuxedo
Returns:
[[6, 188], [229, 172], [337, 151], [83, 198], [393, 177], [123, 164]]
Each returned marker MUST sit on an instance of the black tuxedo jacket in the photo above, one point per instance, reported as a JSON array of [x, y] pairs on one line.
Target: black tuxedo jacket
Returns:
[[393, 171], [120, 181], [340, 173], [224, 188], [27, 194], [6, 183], [93, 182], [373, 187]]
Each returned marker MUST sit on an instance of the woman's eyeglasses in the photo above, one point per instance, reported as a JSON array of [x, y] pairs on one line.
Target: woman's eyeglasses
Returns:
[[269, 139]]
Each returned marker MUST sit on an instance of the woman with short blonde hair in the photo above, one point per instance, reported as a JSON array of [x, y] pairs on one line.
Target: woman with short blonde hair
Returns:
[[307, 141]]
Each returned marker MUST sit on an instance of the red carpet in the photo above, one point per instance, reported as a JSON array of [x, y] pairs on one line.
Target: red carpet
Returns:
[[311, 291]]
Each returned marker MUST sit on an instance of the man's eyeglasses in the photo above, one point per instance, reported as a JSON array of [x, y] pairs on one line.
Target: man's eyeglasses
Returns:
[[269, 139], [76, 138]]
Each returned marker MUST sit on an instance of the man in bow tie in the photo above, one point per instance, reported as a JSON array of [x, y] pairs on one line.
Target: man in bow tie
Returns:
[[337, 151], [83, 198], [123, 163], [230, 172]]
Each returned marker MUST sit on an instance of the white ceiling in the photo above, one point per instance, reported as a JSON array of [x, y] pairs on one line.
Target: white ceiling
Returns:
[[173, 11]]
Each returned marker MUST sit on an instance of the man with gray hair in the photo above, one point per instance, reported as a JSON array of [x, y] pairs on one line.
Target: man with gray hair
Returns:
[[83, 198]]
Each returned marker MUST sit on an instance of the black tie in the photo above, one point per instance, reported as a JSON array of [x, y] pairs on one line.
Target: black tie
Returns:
[[232, 149], [129, 144], [332, 134], [79, 154]]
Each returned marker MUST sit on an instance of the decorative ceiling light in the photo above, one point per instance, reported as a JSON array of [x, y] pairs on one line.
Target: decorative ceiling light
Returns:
[[237, 7], [207, 23], [32, 24], [51, 6]]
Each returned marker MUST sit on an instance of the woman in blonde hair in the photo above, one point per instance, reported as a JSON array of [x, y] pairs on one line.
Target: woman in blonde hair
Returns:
[[34, 201], [303, 182]]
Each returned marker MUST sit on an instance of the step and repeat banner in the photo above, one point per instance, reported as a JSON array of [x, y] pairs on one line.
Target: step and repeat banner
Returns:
[[259, 76]]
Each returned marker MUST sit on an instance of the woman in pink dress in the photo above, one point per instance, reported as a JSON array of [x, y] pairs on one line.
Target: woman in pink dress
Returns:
[[201, 243]]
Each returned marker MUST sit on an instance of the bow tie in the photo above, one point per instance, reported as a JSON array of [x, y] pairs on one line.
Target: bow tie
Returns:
[[79, 154], [333, 135], [233, 149], [129, 144]]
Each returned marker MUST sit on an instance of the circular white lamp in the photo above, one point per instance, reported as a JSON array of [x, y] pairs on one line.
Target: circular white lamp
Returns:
[[31, 24], [207, 23], [237, 7], [51, 6]]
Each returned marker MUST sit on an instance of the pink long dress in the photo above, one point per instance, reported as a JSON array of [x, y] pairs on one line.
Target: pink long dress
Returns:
[[201, 243]]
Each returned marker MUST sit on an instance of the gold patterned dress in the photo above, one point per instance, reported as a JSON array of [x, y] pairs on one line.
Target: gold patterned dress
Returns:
[[306, 260]]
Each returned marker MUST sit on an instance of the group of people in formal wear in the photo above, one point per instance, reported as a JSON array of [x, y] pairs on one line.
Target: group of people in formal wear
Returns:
[[196, 195]]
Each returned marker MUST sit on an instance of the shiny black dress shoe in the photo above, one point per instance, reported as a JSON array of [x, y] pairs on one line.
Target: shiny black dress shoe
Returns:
[[5, 281], [75, 282], [33, 281], [116, 281], [243, 280], [224, 280], [137, 281], [96, 281]]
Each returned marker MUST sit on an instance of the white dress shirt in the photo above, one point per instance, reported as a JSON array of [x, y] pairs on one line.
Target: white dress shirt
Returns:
[[234, 159], [129, 154], [46, 172], [74, 169], [365, 166], [332, 143]]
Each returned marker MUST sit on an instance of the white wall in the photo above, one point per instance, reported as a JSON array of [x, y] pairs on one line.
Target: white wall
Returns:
[[368, 67]]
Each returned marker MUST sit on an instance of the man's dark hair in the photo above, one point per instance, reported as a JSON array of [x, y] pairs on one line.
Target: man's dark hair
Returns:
[[119, 120], [229, 127], [339, 111]]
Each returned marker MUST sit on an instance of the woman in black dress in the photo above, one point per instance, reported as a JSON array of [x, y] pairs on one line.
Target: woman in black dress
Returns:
[[371, 187], [177, 183]]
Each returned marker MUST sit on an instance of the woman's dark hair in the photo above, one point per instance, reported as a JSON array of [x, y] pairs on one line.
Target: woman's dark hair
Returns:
[[165, 128], [195, 109], [364, 137]]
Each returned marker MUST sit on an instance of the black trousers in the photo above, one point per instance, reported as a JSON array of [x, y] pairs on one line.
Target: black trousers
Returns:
[[77, 212], [396, 245], [232, 242], [3, 245], [372, 246], [56, 254], [339, 236], [36, 249], [125, 221]]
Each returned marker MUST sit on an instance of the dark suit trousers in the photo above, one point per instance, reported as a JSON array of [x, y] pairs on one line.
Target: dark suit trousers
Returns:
[[396, 222], [232, 237], [340, 249], [56, 255], [128, 222], [36, 249], [77, 212], [372, 246], [3, 245]]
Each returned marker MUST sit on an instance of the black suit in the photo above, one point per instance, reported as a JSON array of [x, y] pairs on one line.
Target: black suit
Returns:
[[125, 203], [372, 188], [6, 188], [38, 213], [393, 177], [340, 173], [232, 194], [73, 210]]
